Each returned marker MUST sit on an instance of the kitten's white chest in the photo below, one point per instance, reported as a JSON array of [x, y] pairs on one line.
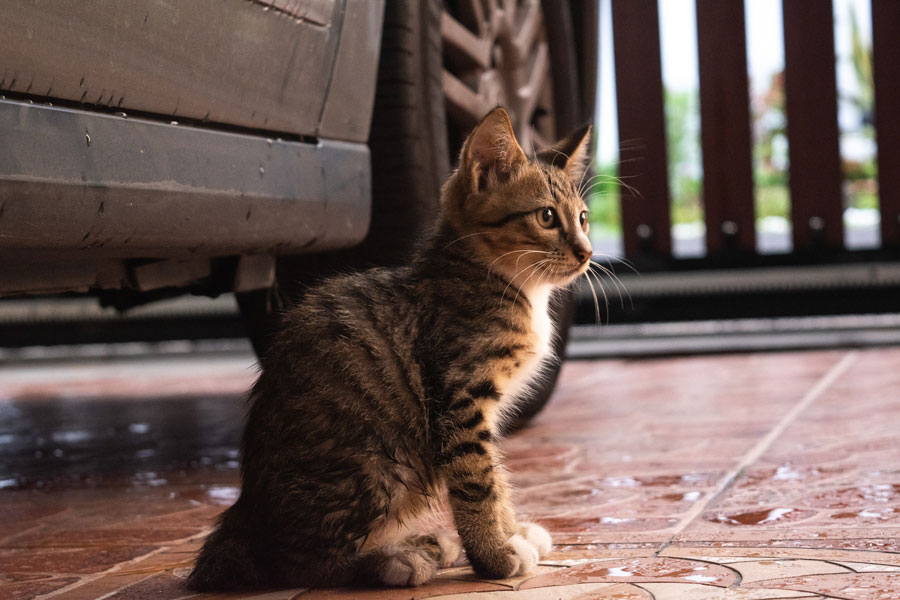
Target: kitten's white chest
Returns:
[[541, 324], [532, 365]]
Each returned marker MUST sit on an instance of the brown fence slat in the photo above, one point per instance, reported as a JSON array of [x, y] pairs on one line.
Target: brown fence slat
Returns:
[[642, 128], [813, 150], [725, 127], [886, 59]]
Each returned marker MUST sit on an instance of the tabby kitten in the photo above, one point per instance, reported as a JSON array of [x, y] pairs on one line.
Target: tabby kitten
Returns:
[[387, 387]]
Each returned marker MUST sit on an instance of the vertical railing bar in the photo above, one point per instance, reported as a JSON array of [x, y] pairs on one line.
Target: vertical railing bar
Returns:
[[886, 66], [725, 127], [646, 220], [812, 126]]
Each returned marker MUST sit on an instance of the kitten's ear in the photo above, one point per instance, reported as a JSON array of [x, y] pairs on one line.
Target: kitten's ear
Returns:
[[570, 153], [491, 152]]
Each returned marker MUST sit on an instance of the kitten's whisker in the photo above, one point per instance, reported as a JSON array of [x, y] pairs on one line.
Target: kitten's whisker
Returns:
[[594, 294], [605, 176], [621, 260], [635, 193], [533, 272], [584, 184], [518, 289], [557, 152], [490, 266], [465, 236], [551, 269], [590, 169], [617, 282], [547, 270], [611, 272], [516, 276], [518, 258], [602, 291]]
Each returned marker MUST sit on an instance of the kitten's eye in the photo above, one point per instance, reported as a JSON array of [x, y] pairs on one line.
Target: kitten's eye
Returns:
[[547, 217], [582, 219]]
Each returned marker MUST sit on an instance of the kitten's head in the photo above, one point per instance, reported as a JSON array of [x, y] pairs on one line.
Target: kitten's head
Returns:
[[524, 218]]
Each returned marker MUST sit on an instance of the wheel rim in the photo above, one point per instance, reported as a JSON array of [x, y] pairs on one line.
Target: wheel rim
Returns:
[[495, 52]]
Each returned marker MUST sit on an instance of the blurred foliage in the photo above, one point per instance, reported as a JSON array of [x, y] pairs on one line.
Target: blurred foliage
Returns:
[[864, 97], [769, 122], [773, 201], [683, 143], [604, 202]]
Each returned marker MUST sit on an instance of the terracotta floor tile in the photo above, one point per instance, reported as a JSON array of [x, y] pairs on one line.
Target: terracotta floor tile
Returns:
[[163, 586], [588, 591], [681, 591], [631, 458], [717, 552], [867, 567], [275, 595], [567, 555], [849, 586], [760, 570], [437, 587], [637, 570], [67, 560], [29, 588]]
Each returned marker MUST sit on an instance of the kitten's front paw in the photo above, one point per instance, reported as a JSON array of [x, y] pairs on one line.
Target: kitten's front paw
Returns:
[[525, 552], [516, 557], [538, 537]]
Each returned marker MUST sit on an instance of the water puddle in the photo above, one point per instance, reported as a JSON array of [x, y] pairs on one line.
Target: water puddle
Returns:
[[682, 497], [658, 480], [857, 497], [878, 514], [655, 569], [615, 520], [59, 443], [762, 517], [224, 494]]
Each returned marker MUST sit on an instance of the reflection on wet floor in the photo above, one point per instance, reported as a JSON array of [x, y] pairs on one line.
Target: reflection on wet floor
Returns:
[[59, 442]]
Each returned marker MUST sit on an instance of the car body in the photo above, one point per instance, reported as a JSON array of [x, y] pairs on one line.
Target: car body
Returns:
[[145, 141]]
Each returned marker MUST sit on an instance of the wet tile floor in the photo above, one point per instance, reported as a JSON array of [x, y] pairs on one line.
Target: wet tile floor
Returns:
[[757, 476]]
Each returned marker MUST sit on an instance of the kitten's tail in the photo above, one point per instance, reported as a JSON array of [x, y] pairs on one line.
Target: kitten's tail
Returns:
[[227, 561]]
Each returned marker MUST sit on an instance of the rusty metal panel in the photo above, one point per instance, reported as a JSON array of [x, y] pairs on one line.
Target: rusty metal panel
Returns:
[[351, 95], [812, 125], [254, 64], [101, 185], [725, 127], [886, 59], [642, 128]]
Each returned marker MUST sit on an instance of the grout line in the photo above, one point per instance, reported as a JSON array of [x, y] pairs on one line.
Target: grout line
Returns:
[[762, 445]]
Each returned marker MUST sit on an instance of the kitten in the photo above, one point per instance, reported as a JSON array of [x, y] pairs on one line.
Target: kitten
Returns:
[[385, 388]]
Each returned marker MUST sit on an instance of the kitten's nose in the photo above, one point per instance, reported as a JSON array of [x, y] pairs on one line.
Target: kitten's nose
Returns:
[[582, 253]]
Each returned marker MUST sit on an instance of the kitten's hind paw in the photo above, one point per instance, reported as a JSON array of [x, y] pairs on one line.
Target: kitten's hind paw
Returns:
[[441, 549], [406, 569], [538, 537], [450, 551]]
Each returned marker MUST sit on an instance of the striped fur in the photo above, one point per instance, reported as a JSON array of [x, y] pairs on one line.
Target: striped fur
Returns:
[[385, 389]]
